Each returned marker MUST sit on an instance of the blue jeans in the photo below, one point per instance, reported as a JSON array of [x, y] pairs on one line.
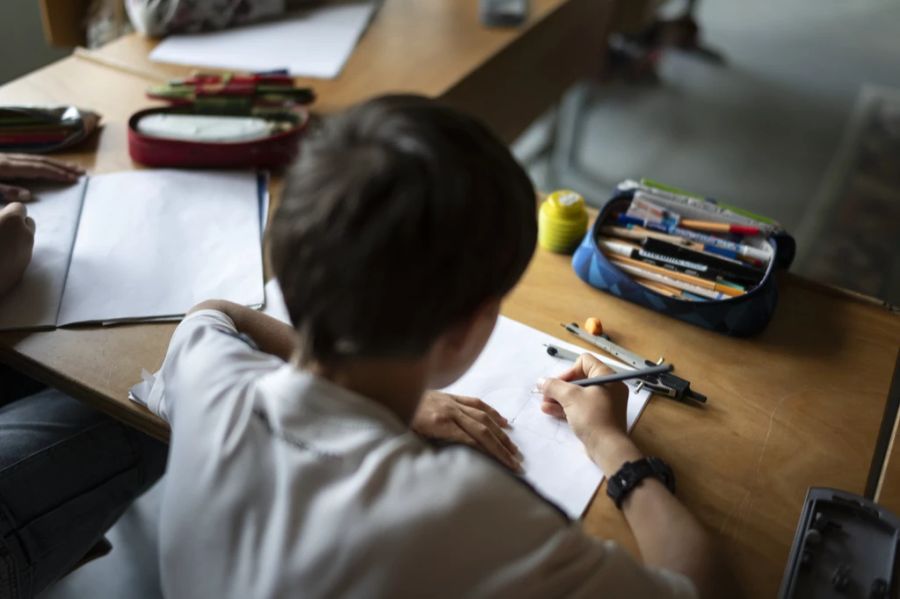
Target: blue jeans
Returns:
[[67, 472]]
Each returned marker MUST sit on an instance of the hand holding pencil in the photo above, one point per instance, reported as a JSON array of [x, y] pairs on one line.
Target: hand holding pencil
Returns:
[[597, 414]]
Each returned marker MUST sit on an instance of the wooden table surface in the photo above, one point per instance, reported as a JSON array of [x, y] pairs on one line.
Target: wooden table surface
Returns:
[[438, 48], [797, 406], [506, 76]]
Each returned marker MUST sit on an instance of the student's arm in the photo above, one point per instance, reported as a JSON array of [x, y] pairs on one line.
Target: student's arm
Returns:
[[270, 334], [16, 227], [667, 534], [28, 166], [439, 416]]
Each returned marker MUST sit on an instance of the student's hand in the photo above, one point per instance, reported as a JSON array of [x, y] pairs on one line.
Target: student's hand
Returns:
[[27, 166], [597, 414], [466, 420], [16, 244]]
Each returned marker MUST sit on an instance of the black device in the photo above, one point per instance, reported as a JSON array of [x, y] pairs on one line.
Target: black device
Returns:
[[631, 474], [845, 546], [503, 13]]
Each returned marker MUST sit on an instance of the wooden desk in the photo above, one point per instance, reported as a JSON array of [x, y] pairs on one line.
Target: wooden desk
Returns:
[[799, 405], [437, 48]]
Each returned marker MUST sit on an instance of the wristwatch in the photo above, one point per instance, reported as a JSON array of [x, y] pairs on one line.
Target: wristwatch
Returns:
[[631, 474]]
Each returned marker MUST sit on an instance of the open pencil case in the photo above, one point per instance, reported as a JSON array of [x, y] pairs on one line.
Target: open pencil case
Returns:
[[221, 121], [741, 315]]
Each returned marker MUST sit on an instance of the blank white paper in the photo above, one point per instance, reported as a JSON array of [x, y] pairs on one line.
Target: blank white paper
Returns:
[[34, 301], [503, 376], [313, 43], [152, 244]]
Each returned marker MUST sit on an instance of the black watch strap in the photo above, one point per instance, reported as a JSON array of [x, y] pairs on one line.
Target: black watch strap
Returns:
[[631, 474]]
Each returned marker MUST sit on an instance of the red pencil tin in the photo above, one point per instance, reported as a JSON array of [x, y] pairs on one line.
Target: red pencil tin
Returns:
[[275, 150]]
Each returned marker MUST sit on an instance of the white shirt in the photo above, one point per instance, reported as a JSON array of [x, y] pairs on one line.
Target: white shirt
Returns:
[[281, 484]]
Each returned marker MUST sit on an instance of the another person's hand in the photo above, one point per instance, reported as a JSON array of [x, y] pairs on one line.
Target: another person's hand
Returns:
[[597, 414], [469, 421], [16, 244], [28, 166]]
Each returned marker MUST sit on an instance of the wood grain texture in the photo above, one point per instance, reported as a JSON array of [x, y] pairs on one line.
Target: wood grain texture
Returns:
[[799, 405], [439, 49]]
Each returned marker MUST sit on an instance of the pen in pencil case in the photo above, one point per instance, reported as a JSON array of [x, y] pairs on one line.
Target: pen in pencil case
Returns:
[[643, 210], [685, 260], [712, 227], [665, 277], [640, 234], [710, 241], [701, 225], [711, 204], [700, 208], [755, 255]]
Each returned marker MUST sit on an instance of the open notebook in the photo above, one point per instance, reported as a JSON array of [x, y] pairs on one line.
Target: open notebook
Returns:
[[141, 245]]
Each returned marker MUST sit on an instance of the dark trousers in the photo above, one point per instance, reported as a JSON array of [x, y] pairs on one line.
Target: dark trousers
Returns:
[[67, 472]]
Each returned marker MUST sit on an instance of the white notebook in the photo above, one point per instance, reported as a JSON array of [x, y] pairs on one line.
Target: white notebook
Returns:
[[555, 461], [139, 246], [310, 43]]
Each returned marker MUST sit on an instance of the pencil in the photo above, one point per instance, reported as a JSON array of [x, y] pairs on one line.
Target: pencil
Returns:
[[660, 288], [684, 287], [673, 274], [713, 227], [623, 376], [639, 234]]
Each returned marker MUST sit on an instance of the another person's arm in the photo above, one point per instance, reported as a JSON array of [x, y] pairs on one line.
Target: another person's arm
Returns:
[[16, 167], [16, 227], [16, 244], [668, 535], [441, 416]]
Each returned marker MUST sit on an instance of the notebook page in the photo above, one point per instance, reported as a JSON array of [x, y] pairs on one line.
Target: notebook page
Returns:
[[34, 301], [313, 43], [154, 243], [503, 376]]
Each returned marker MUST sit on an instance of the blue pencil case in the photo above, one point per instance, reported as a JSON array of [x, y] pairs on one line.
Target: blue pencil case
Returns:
[[740, 316]]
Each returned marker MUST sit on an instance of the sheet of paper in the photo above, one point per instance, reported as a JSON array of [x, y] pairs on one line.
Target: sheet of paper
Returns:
[[154, 243], [34, 301], [504, 375], [313, 43]]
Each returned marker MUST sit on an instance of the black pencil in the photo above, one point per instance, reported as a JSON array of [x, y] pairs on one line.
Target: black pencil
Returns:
[[623, 376]]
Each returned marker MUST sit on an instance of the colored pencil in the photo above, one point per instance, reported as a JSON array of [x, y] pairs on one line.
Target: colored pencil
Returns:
[[713, 227]]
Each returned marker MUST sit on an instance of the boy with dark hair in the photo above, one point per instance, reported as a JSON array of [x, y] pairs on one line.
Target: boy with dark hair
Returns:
[[401, 229]]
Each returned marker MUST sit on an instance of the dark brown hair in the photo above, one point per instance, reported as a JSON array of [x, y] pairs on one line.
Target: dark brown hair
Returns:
[[401, 217]]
